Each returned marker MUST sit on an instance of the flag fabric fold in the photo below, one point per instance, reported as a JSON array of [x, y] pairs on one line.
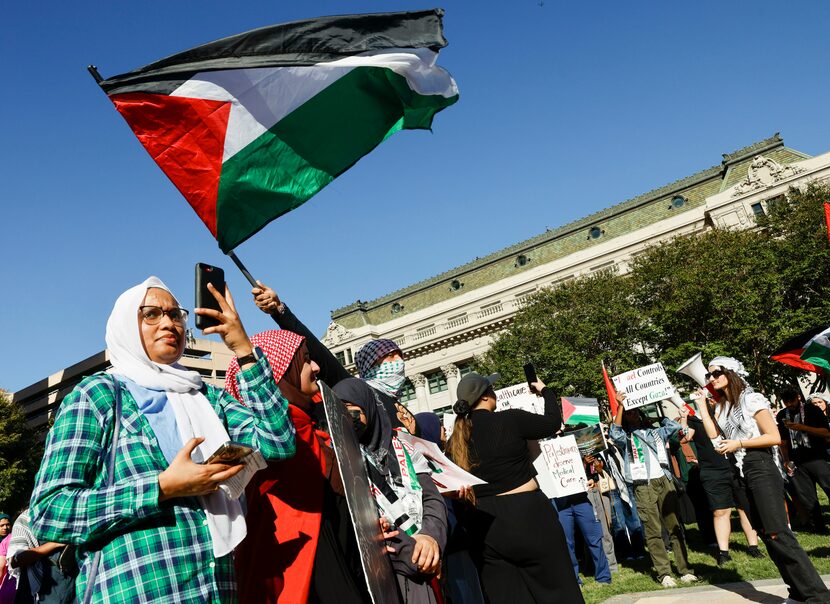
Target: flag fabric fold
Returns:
[[251, 126], [794, 351], [817, 352]]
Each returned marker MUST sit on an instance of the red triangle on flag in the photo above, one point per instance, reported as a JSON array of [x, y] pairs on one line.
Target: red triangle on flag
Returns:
[[186, 138], [568, 409]]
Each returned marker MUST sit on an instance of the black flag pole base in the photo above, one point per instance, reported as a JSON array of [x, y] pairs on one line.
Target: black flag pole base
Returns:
[[242, 268]]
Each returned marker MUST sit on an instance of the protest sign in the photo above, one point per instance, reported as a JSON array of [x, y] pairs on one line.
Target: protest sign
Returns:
[[377, 570], [447, 476], [644, 385], [590, 440], [564, 463], [448, 420], [518, 397]]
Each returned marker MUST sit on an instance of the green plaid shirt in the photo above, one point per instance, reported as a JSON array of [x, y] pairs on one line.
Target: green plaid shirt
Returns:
[[150, 552]]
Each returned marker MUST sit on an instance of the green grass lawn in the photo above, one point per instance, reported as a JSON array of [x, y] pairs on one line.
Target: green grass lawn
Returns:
[[638, 575]]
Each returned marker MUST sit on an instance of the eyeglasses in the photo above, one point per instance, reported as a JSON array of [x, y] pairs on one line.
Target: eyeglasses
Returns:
[[715, 374], [153, 314]]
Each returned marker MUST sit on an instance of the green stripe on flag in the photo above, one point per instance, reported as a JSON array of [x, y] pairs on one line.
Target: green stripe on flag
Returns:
[[312, 145], [263, 181], [582, 419]]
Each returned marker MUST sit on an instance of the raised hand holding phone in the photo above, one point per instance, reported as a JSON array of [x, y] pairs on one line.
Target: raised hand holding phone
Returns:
[[228, 324]]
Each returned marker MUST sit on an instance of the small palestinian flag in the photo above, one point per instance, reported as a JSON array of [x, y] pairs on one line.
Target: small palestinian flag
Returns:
[[794, 351], [251, 126], [580, 410], [817, 351]]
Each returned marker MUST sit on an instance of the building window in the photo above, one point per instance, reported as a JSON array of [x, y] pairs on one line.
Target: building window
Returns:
[[396, 308], [437, 382], [349, 359], [595, 233], [408, 392], [522, 260], [678, 201], [455, 285], [758, 209], [464, 369], [441, 411], [341, 357]]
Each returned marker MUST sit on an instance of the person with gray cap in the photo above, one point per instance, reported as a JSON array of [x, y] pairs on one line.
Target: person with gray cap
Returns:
[[516, 539]]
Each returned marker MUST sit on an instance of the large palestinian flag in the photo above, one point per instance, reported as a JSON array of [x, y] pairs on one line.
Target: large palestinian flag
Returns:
[[251, 126]]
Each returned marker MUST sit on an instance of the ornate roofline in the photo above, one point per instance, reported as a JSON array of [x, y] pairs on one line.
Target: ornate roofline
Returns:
[[677, 186]]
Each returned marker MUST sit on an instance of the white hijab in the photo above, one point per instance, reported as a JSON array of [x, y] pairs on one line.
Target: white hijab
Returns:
[[194, 414]]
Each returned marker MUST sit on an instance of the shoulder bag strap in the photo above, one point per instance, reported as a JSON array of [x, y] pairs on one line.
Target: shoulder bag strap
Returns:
[[116, 429]]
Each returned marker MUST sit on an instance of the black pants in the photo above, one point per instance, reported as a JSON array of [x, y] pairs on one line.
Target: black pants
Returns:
[[808, 474], [521, 552], [767, 512]]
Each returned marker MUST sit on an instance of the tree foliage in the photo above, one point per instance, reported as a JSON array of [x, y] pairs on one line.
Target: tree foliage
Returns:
[[734, 292], [21, 450]]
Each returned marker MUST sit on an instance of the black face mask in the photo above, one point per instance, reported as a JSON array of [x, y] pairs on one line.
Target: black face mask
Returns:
[[359, 427]]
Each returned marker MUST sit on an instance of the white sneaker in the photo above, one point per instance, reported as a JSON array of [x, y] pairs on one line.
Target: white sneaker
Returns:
[[688, 578], [668, 581]]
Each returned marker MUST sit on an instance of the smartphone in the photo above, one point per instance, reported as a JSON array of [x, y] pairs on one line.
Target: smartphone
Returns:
[[230, 452], [205, 273], [530, 375]]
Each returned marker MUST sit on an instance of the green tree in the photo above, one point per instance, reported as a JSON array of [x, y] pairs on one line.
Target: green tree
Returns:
[[567, 332], [732, 292], [21, 450], [799, 238]]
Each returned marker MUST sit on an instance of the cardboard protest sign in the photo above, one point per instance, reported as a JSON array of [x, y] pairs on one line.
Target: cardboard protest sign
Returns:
[[590, 440], [564, 463], [447, 476], [377, 570], [644, 385]]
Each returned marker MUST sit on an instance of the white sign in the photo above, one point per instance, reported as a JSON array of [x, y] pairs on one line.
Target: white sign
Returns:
[[644, 386], [518, 397], [447, 476], [564, 463]]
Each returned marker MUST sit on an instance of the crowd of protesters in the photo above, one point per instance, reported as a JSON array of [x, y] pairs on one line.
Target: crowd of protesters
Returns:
[[131, 505]]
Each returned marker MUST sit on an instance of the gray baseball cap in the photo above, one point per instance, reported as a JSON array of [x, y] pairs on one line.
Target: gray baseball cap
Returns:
[[473, 385]]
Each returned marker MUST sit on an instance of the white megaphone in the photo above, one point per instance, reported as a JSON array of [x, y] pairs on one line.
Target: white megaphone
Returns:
[[695, 369]]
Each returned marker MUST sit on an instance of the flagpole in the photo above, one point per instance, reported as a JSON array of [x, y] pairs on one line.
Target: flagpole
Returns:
[[242, 268], [93, 71]]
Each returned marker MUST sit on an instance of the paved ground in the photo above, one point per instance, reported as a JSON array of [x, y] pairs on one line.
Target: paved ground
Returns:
[[768, 591]]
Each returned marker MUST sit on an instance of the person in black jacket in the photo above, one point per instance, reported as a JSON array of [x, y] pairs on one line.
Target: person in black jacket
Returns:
[[517, 540], [804, 430]]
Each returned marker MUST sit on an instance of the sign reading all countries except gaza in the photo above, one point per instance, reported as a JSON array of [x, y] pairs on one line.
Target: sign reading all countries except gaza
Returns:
[[644, 385]]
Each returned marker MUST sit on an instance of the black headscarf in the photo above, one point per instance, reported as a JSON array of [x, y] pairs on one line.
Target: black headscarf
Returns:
[[378, 438], [430, 426]]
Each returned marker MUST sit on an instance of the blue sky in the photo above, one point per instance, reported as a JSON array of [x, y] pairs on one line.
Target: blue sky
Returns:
[[566, 108]]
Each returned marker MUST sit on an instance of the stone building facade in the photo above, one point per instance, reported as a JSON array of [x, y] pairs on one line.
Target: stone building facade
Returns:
[[442, 323]]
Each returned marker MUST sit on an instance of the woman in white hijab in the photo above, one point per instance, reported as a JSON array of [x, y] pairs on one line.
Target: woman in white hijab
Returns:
[[159, 529]]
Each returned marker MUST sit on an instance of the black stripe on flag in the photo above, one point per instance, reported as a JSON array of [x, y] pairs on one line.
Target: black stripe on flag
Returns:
[[297, 43]]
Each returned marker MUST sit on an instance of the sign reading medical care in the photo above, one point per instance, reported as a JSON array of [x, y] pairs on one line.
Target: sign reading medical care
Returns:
[[564, 463], [644, 386]]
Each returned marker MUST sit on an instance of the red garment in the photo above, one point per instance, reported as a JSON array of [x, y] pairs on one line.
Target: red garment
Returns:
[[285, 502]]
